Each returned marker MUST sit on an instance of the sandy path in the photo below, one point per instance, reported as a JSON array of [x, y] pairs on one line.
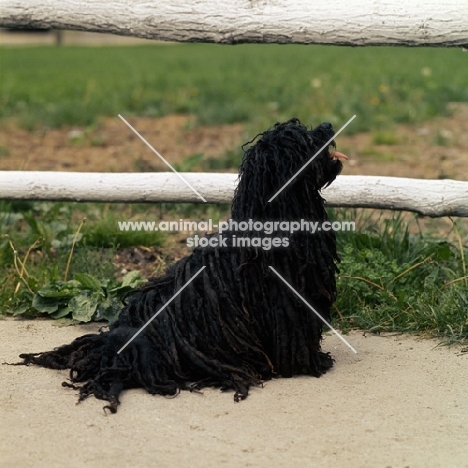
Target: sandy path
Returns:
[[399, 402]]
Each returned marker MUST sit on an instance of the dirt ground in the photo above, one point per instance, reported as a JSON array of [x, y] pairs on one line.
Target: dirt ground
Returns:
[[399, 402], [433, 150]]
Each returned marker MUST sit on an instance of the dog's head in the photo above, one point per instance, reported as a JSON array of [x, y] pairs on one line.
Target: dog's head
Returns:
[[326, 165], [289, 159]]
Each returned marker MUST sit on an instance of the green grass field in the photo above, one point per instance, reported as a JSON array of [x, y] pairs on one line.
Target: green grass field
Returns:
[[390, 279], [53, 86]]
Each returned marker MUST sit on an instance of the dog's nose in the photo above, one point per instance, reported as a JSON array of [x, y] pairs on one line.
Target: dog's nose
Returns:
[[327, 129]]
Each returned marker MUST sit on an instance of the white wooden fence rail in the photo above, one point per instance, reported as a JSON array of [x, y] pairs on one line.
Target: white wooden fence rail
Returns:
[[428, 197], [355, 22]]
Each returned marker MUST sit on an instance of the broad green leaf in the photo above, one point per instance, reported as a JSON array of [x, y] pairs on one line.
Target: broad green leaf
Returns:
[[130, 281], [60, 289], [108, 310], [21, 310], [84, 305], [89, 282], [46, 305], [61, 312]]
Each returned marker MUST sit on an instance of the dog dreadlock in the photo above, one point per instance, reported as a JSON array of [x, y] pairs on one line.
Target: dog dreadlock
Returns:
[[234, 325]]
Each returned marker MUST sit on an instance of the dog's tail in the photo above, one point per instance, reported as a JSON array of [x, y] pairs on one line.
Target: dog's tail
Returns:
[[97, 369]]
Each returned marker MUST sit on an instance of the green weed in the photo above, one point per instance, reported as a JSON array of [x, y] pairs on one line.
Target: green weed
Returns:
[[4, 151], [392, 280], [385, 138], [42, 246], [443, 138]]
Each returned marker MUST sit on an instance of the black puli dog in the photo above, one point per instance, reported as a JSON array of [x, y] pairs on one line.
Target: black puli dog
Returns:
[[236, 324]]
